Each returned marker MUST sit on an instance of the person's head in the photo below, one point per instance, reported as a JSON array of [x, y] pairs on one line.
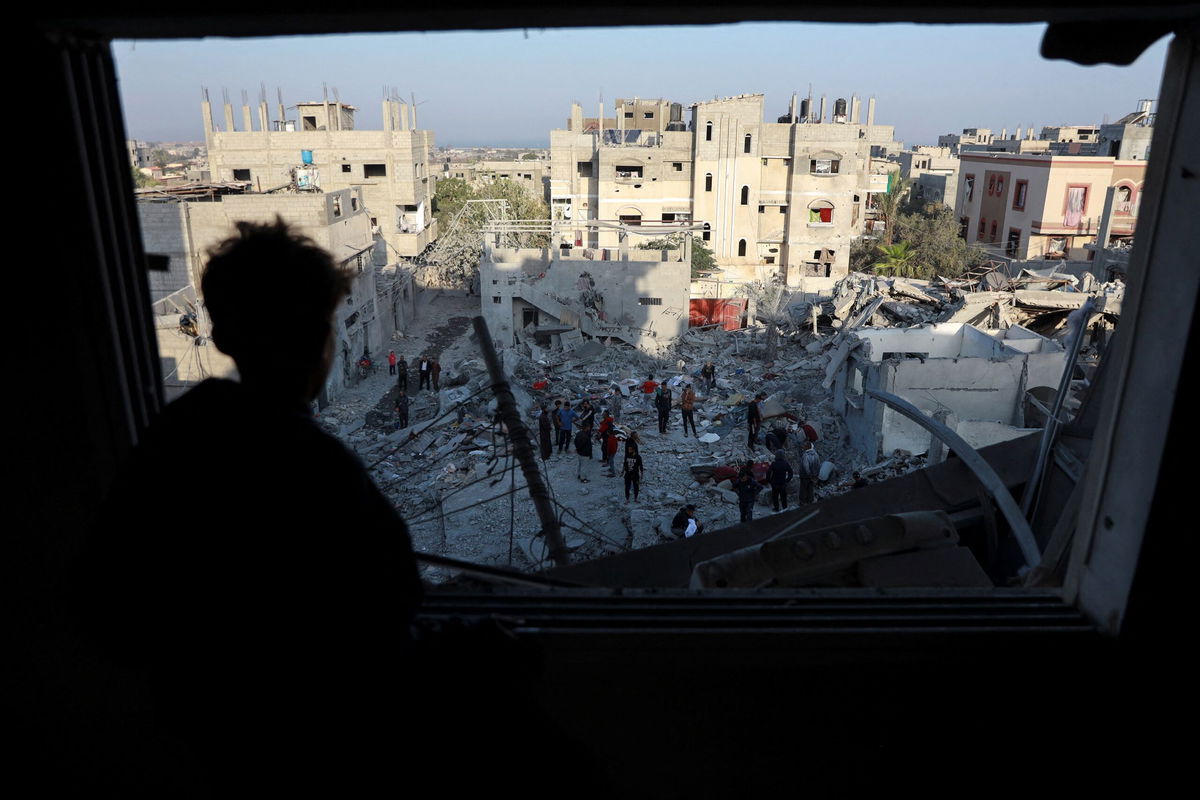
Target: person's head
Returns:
[[542, 406], [807, 445], [650, 377], [270, 263], [690, 509], [402, 393], [857, 475], [567, 404], [558, 403], [391, 352]]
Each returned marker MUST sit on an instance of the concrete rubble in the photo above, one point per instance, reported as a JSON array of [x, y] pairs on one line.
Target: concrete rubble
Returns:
[[451, 473]]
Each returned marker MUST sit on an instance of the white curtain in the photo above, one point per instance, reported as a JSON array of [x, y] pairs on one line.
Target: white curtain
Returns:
[[1075, 198]]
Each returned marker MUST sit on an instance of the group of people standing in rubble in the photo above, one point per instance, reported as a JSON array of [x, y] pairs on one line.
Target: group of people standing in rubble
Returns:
[[429, 373]]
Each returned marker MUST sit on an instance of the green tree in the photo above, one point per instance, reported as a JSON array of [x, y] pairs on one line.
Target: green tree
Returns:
[[521, 202], [933, 235], [452, 194], [159, 157], [863, 253], [658, 244], [141, 180], [898, 259], [890, 204], [702, 258]]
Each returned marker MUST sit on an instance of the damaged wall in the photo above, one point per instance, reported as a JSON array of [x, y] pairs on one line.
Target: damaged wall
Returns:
[[644, 303], [954, 372]]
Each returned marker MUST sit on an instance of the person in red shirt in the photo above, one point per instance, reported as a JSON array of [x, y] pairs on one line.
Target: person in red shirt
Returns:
[[650, 385], [391, 362], [810, 432]]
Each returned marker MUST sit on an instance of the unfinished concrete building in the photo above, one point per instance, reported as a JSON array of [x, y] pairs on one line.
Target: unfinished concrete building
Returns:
[[973, 381], [776, 198], [320, 147], [933, 172], [381, 300], [1045, 206]]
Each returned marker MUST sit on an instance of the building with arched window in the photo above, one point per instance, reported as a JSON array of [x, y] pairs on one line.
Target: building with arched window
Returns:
[[754, 185]]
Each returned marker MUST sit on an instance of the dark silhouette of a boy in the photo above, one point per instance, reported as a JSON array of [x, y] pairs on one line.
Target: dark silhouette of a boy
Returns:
[[244, 558]]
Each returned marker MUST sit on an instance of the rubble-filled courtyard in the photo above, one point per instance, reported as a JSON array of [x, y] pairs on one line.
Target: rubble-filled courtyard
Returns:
[[452, 475]]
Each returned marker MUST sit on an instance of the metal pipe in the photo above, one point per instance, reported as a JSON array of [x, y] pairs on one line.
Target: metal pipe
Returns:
[[1033, 485], [518, 434], [982, 470]]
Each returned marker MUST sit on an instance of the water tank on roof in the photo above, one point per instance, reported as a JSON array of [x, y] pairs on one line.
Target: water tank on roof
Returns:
[[676, 112], [306, 156], [805, 109], [839, 107]]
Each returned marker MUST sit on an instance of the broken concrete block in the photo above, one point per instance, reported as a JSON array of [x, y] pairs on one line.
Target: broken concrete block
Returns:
[[710, 438]]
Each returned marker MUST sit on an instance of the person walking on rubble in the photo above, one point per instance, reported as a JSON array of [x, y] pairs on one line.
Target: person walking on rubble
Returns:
[[747, 491], [435, 373], [401, 410], [633, 469], [810, 469], [777, 438], [608, 443], [614, 405], [687, 405], [662, 402], [401, 373], [391, 362], [545, 446], [423, 373], [753, 421], [778, 475], [709, 373], [587, 416], [566, 418]]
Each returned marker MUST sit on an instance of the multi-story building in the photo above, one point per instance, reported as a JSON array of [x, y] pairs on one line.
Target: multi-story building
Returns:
[[969, 136], [381, 300], [1045, 206], [933, 172], [1128, 139], [139, 153], [321, 148], [776, 198]]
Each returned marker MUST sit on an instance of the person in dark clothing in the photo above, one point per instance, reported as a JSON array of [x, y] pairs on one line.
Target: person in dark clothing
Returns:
[[272, 622], [402, 410], [583, 449], [747, 491], [777, 438], [607, 437], [545, 446], [709, 374], [424, 373], [685, 524], [435, 374], [633, 469], [753, 421], [587, 416], [401, 373], [778, 475], [662, 402]]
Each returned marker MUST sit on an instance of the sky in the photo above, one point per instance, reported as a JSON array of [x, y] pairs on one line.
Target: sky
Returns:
[[510, 88]]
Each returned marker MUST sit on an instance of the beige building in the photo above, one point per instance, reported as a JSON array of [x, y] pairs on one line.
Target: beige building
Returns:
[[1045, 206], [933, 172], [777, 198], [320, 148], [533, 174], [382, 299]]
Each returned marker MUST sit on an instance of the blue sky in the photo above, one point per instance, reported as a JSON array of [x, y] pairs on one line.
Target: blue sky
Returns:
[[509, 88]]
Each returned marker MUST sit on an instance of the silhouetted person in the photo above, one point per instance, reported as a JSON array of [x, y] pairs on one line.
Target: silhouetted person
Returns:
[[545, 445], [245, 560]]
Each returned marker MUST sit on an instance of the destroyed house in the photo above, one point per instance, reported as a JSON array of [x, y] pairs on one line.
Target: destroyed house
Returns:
[[550, 298], [973, 382], [698, 693]]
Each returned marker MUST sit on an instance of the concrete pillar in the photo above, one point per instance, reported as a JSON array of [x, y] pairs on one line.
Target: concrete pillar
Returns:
[[229, 117], [264, 116], [1003, 133], [387, 115], [871, 111], [246, 118], [821, 118], [1105, 229], [854, 109]]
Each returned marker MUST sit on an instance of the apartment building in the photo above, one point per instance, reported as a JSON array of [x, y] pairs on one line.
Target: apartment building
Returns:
[[933, 172], [1045, 205], [775, 198], [319, 147]]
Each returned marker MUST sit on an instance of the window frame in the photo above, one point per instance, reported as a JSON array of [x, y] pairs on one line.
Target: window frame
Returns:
[[1020, 194]]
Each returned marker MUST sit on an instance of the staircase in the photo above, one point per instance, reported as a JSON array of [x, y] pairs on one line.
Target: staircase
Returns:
[[584, 322]]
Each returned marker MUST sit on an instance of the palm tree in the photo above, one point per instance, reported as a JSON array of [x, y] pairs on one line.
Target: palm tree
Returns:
[[890, 202], [898, 259]]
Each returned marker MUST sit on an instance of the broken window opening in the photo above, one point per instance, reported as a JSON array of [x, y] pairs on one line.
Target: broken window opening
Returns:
[[824, 166], [345, 167], [584, 168], [241, 174], [310, 123], [629, 171], [374, 170]]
